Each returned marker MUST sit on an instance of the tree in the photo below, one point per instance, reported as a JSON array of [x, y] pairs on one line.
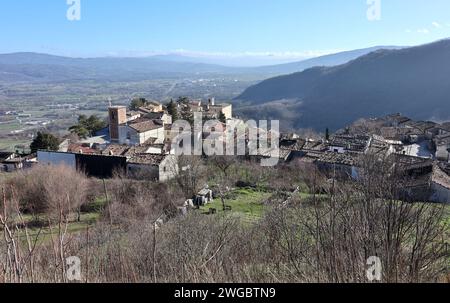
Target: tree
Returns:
[[183, 100], [44, 141], [327, 134], [191, 175], [222, 117], [136, 103], [172, 110], [87, 126]]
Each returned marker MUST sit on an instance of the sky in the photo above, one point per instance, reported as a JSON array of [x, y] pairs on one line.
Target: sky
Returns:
[[241, 31]]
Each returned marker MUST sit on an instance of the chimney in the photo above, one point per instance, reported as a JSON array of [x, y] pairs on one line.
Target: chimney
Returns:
[[213, 101]]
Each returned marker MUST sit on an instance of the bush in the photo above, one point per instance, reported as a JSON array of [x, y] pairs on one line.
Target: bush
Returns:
[[49, 189]]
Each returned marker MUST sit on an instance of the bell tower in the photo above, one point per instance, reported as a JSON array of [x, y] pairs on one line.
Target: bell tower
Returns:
[[117, 117]]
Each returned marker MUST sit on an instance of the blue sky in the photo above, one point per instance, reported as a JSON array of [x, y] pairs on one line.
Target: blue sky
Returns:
[[272, 29]]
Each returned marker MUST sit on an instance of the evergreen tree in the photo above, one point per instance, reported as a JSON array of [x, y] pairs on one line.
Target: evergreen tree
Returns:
[[172, 110], [222, 117], [327, 134], [87, 126], [44, 141], [138, 102]]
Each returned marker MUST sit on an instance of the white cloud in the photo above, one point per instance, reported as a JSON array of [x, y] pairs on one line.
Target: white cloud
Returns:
[[436, 24], [423, 31]]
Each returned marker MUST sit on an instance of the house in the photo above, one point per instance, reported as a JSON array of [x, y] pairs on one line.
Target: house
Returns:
[[413, 165], [403, 134], [141, 130], [440, 186], [160, 116], [152, 167], [291, 149], [134, 131], [81, 148], [349, 143], [339, 165], [151, 107], [425, 128], [211, 110], [214, 111], [396, 120], [10, 162], [442, 144], [94, 165]]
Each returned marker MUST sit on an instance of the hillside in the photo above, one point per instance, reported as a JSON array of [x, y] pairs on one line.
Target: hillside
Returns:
[[414, 81]]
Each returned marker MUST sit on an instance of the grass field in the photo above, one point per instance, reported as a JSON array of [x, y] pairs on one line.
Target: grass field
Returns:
[[247, 203], [9, 143], [44, 234]]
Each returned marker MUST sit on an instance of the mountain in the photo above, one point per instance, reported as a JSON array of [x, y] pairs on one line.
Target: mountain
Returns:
[[32, 67], [414, 81], [42, 67], [328, 60]]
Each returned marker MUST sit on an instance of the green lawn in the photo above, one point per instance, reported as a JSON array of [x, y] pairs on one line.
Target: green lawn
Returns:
[[248, 204], [9, 143], [44, 233]]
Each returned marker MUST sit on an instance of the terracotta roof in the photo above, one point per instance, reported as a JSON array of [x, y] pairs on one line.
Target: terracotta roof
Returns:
[[411, 162], [336, 158], [397, 133], [147, 159], [353, 143], [115, 150], [423, 126], [145, 125], [296, 144], [80, 149], [397, 118], [155, 115], [314, 146]]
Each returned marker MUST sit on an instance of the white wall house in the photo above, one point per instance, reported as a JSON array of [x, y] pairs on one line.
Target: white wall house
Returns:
[[140, 133], [442, 152]]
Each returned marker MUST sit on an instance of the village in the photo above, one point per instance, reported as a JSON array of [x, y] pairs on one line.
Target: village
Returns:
[[139, 144]]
